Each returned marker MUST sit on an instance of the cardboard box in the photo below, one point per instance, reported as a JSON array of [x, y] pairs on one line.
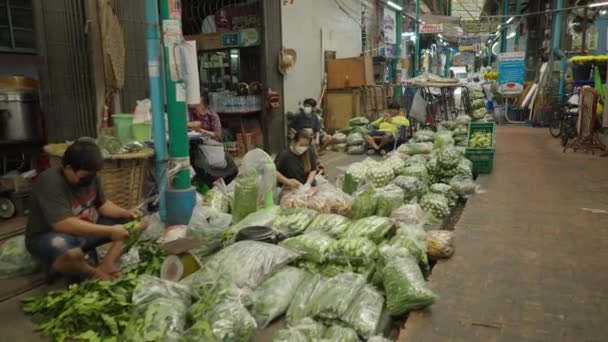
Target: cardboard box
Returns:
[[350, 73], [207, 41], [341, 106]]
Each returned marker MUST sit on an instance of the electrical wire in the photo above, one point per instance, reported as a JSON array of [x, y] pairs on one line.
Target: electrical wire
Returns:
[[353, 18], [545, 12]]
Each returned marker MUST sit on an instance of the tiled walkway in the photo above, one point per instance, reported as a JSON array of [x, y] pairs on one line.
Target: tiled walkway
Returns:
[[531, 260]]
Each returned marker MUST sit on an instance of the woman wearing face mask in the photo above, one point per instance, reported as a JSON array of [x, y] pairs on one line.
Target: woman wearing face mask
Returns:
[[308, 120], [297, 165]]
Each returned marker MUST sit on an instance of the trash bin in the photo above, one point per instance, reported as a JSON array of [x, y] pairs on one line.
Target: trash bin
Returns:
[[123, 126]]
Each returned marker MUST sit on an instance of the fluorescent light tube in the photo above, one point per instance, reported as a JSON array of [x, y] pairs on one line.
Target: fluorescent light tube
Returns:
[[394, 5], [597, 4]]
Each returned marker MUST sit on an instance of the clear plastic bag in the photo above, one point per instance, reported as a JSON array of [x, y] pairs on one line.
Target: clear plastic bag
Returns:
[[207, 226], [440, 244], [340, 147], [445, 190], [365, 311], [396, 163], [331, 224], [365, 202], [443, 138], [412, 231], [463, 120], [338, 333], [409, 214], [353, 251], [412, 187], [448, 157], [333, 296], [356, 149], [290, 335], [378, 338], [217, 197], [325, 198], [374, 228], [149, 288], [245, 197], [228, 320], [299, 307], [293, 221], [411, 149], [313, 246], [246, 263], [417, 170], [358, 171], [415, 247], [380, 174], [15, 260], [419, 159], [339, 138], [424, 135], [436, 205], [355, 138], [310, 328], [262, 217], [154, 229], [463, 186], [271, 299], [389, 198], [404, 286]]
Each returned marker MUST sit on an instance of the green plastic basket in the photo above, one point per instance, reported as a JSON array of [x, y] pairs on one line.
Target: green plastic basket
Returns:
[[482, 158]]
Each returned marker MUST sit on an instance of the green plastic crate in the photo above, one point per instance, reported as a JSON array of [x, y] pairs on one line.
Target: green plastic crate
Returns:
[[482, 158]]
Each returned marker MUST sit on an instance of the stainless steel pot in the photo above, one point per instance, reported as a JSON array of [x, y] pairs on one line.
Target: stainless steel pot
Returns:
[[19, 115]]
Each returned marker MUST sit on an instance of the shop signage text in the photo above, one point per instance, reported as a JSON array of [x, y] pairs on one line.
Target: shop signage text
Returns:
[[431, 28], [511, 72]]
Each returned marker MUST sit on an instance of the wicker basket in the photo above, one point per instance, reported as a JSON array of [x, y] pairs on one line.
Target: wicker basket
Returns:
[[122, 176]]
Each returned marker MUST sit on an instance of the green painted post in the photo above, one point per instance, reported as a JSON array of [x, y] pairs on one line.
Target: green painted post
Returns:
[[399, 31], [503, 30], [441, 7], [170, 14], [417, 43], [516, 41], [448, 63]]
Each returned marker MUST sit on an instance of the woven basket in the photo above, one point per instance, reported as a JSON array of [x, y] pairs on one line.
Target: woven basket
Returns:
[[122, 176]]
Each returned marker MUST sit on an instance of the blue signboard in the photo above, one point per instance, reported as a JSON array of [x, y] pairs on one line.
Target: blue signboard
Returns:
[[511, 72]]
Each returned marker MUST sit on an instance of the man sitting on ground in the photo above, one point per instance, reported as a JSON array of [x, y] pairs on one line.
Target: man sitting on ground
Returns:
[[385, 129], [64, 220]]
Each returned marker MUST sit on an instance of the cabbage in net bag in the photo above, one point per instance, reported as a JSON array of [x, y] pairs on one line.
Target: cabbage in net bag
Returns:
[[404, 286], [293, 221], [364, 202], [396, 163], [445, 190], [246, 264], [365, 311], [272, 297], [313, 246], [380, 174], [418, 171], [331, 224], [436, 205], [332, 298], [299, 307], [15, 260], [412, 187], [353, 251], [374, 228], [389, 198]]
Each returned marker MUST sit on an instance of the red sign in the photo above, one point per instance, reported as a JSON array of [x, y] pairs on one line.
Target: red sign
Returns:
[[431, 28], [233, 18]]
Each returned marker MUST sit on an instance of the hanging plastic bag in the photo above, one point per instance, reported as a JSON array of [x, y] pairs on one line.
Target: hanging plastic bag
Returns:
[[374, 228], [271, 299], [365, 312], [313, 246], [389, 198], [440, 244], [404, 285], [245, 197], [15, 260], [333, 297], [331, 224], [365, 202]]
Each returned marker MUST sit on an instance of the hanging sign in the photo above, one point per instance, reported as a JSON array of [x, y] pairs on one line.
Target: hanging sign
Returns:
[[469, 44], [175, 9], [431, 28], [389, 24], [233, 18], [511, 72]]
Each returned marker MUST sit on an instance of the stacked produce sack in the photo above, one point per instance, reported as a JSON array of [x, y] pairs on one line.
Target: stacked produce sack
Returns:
[[478, 105], [354, 144]]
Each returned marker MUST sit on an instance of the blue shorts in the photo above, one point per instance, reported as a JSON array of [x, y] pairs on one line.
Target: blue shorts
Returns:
[[374, 132], [47, 247]]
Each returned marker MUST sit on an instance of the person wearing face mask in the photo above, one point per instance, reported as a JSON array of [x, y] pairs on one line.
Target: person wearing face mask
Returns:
[[297, 165], [70, 216], [307, 119]]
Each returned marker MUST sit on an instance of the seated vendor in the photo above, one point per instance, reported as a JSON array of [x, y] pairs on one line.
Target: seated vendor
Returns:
[[64, 220], [307, 119], [204, 121], [385, 129], [297, 165]]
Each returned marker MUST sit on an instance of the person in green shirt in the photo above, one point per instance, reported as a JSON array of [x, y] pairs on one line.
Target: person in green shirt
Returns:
[[385, 129]]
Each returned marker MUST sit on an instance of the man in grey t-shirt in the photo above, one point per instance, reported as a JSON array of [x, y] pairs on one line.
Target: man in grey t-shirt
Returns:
[[64, 217]]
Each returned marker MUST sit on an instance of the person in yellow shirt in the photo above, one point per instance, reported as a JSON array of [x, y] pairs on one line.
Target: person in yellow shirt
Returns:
[[385, 129]]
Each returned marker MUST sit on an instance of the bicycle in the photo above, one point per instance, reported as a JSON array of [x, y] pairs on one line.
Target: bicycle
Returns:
[[559, 115], [568, 127]]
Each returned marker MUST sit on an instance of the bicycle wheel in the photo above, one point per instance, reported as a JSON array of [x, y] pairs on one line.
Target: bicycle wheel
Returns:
[[565, 135], [555, 127]]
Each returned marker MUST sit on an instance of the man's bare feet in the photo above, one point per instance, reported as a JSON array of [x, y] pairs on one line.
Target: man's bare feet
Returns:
[[99, 274], [110, 270]]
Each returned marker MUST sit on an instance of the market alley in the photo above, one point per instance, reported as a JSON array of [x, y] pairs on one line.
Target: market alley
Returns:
[[531, 250]]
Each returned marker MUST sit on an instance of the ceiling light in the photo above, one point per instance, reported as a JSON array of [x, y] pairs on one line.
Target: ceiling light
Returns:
[[511, 35], [394, 6], [598, 4], [440, 36], [603, 12], [407, 34], [413, 38], [510, 20]]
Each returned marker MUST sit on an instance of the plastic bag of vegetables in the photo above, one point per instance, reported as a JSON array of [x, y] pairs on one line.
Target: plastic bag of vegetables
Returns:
[[445, 190], [365, 202], [246, 264], [355, 149], [149, 288], [313, 246], [412, 187], [448, 124], [262, 217], [404, 285], [333, 296], [289, 335], [374, 228], [338, 138], [365, 311], [463, 120], [396, 163], [448, 157], [443, 138], [417, 170], [15, 260], [424, 136], [299, 307], [353, 251], [380, 174], [272, 297], [358, 171], [409, 214], [228, 320], [436, 205], [464, 168], [330, 269], [307, 327], [354, 139], [331, 224], [293, 221], [463, 186], [208, 227], [378, 338], [245, 197], [411, 149], [339, 333], [217, 197], [330, 199], [479, 114], [415, 247], [389, 198], [440, 244]]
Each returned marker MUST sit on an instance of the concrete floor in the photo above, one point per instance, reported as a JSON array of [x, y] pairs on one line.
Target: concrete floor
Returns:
[[530, 262]]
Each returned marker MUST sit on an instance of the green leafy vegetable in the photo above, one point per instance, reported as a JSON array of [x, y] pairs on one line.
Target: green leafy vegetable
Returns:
[[353, 251], [331, 224], [404, 285], [374, 228], [313, 246]]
